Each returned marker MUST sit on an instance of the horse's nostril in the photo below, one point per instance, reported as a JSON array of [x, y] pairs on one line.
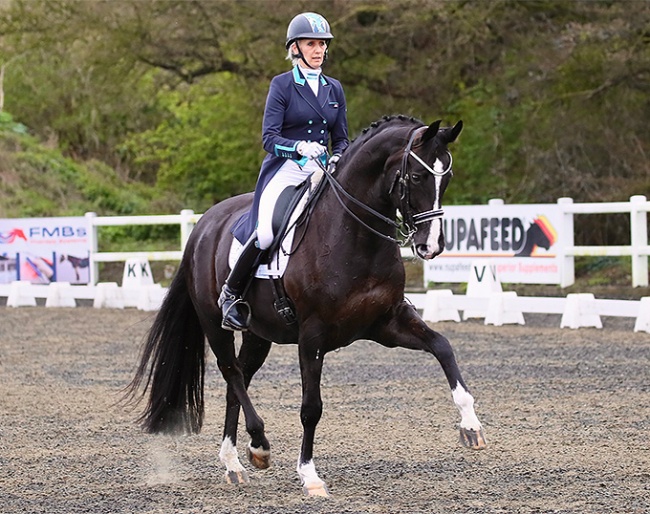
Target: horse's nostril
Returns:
[[421, 249]]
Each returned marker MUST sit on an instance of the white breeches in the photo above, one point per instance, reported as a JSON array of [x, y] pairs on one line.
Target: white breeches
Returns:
[[290, 174]]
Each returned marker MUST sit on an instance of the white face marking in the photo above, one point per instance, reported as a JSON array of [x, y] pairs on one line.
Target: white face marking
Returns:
[[465, 405], [435, 229], [438, 168]]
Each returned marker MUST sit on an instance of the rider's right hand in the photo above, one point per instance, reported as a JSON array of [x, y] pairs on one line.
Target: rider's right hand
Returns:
[[311, 150]]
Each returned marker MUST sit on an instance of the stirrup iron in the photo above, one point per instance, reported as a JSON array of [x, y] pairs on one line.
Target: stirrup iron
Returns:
[[226, 322]]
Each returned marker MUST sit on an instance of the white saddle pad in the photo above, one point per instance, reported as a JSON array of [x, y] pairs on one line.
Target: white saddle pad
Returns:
[[278, 264]]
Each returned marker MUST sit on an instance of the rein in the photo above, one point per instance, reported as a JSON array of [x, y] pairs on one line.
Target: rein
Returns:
[[337, 188], [410, 220]]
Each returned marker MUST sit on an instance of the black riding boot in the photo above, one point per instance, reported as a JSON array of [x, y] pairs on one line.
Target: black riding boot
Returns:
[[236, 313]]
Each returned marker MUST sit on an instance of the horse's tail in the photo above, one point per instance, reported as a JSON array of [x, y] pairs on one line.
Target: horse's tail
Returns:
[[172, 365]]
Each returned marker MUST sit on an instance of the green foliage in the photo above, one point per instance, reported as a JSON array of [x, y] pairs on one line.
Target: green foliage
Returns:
[[490, 149], [133, 238], [7, 124], [40, 181], [602, 271], [369, 106], [208, 147], [168, 95]]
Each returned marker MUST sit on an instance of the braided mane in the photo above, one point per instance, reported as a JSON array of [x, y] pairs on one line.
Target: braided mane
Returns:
[[385, 121]]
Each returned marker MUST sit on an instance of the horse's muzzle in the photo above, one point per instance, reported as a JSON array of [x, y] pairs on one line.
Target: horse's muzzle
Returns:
[[423, 251]]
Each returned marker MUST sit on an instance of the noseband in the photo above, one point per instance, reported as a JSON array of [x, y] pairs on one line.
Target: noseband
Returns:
[[410, 220]]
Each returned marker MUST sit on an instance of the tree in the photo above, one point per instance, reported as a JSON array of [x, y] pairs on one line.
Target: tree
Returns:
[[554, 94]]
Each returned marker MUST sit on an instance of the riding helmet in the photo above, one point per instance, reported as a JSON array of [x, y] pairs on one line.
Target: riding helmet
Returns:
[[308, 25]]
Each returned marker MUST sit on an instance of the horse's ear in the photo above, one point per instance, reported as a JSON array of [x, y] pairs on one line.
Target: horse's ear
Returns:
[[431, 131], [452, 134]]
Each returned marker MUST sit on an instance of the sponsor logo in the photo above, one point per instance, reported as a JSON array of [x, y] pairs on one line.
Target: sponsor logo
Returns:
[[64, 231], [12, 235], [509, 236]]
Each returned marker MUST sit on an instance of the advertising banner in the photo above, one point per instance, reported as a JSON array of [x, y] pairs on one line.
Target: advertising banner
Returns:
[[44, 250], [520, 242]]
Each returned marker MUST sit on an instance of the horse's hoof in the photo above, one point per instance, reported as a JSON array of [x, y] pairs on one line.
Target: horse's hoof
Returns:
[[316, 490], [259, 457], [472, 439], [237, 477]]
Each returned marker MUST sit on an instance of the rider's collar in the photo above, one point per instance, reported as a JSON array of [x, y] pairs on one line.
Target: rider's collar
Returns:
[[300, 75], [308, 73]]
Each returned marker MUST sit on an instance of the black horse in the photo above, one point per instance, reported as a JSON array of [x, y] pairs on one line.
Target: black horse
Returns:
[[345, 279], [76, 262]]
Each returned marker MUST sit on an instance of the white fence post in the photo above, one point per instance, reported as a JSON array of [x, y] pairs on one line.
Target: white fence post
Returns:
[[566, 241], [92, 243], [639, 239], [186, 226]]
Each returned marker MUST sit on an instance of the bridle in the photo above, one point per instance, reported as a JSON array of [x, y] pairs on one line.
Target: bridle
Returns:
[[408, 227], [402, 178]]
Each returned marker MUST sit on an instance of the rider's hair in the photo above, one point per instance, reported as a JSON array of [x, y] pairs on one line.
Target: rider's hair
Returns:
[[292, 56]]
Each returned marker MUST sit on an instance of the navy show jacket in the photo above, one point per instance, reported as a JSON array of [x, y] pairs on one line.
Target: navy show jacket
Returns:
[[293, 114]]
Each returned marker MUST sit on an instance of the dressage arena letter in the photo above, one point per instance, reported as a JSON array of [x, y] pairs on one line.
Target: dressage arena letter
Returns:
[[132, 266], [136, 278], [483, 268], [137, 273]]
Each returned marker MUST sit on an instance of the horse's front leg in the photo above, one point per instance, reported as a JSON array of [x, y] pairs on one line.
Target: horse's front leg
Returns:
[[406, 329], [311, 367]]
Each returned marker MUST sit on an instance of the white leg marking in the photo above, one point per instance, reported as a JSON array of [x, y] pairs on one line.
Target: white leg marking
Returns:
[[308, 476], [260, 453], [465, 405], [228, 456]]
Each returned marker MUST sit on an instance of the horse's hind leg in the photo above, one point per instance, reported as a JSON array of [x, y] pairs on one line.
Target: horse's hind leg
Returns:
[[407, 330], [238, 375]]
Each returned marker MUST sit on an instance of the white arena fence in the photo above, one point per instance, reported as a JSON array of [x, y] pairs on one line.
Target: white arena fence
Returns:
[[638, 249], [497, 307], [185, 220]]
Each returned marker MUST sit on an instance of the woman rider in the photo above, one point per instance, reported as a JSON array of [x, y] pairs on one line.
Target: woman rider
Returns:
[[305, 110]]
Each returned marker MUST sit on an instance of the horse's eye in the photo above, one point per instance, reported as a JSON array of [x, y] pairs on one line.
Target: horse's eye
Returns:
[[416, 178]]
